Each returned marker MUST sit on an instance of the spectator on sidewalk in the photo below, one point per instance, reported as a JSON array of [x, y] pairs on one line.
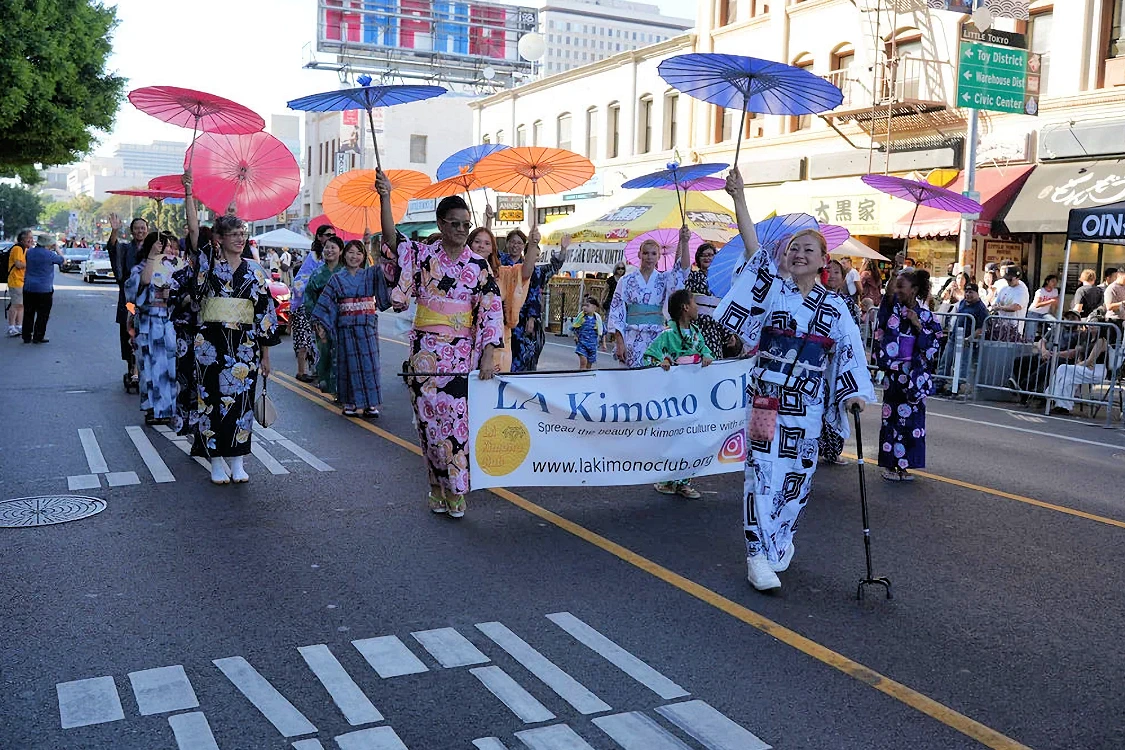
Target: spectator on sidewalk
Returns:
[[971, 304], [39, 288], [1089, 296], [17, 266], [871, 283], [1011, 299], [1089, 368], [1114, 300], [1030, 372]]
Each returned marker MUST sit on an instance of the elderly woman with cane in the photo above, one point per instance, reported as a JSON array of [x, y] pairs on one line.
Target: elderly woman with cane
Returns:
[[810, 367], [458, 327]]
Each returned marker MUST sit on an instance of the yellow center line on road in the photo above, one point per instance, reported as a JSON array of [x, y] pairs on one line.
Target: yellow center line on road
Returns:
[[1010, 496], [969, 727]]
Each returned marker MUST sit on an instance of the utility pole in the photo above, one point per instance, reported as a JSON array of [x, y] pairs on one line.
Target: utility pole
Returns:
[[965, 240]]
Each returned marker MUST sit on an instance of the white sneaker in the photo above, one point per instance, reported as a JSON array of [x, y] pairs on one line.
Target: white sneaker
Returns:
[[13, 331], [760, 575], [779, 567]]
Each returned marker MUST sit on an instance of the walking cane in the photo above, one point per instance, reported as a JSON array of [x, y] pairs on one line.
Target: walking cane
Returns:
[[870, 579]]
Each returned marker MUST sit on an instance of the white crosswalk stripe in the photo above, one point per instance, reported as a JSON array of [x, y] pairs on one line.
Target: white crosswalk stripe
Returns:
[[138, 439], [168, 690]]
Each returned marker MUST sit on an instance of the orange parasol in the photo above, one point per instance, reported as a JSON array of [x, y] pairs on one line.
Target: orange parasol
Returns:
[[352, 204], [455, 185], [530, 170]]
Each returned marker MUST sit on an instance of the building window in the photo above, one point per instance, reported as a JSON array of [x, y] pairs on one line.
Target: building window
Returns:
[[537, 133], [592, 133], [842, 75], [499, 136], [486, 138], [562, 131], [320, 158], [802, 122], [644, 125], [1039, 36], [417, 149], [308, 163], [521, 136], [613, 130], [728, 12], [671, 102]]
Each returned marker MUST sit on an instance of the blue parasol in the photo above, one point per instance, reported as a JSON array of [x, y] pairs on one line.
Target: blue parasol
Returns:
[[750, 85], [772, 234], [366, 97], [466, 159], [675, 175]]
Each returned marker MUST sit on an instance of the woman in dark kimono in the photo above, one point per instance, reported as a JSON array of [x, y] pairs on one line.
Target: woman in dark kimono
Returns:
[[348, 313], [907, 342], [332, 254], [718, 338], [226, 321]]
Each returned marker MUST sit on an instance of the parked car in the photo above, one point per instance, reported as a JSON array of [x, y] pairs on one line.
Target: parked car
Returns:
[[73, 258], [96, 267], [280, 294]]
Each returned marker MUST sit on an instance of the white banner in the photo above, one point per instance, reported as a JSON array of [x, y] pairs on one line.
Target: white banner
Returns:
[[608, 427]]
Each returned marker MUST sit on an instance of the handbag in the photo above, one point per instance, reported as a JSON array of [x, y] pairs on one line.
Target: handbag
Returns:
[[265, 413]]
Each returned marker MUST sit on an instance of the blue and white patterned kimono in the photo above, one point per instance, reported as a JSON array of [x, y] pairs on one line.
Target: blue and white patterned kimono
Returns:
[[811, 381], [155, 336], [637, 310]]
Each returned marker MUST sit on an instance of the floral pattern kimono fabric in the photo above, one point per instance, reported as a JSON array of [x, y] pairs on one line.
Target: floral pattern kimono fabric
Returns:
[[300, 320], [348, 309], [902, 437], [811, 382], [216, 406], [637, 310], [459, 313], [156, 337], [713, 332], [526, 347]]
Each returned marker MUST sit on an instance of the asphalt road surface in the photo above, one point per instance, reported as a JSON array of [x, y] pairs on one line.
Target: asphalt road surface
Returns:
[[323, 606]]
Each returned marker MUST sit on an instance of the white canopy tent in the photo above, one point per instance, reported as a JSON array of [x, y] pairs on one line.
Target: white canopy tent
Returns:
[[283, 238]]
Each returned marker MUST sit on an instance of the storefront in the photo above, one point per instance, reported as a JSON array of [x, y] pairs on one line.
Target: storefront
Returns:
[[1042, 210]]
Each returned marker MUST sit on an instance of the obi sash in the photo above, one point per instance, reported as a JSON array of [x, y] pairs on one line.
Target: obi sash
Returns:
[[227, 310], [637, 314], [354, 306], [707, 304], [792, 358], [444, 316]]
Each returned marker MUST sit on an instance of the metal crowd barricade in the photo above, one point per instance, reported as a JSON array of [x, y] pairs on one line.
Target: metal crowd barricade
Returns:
[[955, 363], [1009, 365]]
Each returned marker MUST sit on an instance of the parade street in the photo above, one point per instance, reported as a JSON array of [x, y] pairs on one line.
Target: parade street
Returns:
[[323, 606]]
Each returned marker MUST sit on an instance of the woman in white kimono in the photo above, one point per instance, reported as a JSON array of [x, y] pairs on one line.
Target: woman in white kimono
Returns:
[[636, 315], [809, 367]]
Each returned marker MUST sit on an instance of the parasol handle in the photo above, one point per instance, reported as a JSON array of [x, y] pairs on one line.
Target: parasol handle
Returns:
[[680, 203], [741, 130], [906, 240], [374, 140], [191, 148]]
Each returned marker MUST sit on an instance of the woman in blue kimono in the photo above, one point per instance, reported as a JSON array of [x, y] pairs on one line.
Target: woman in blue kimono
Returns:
[[528, 335], [907, 342], [809, 369], [332, 254], [347, 313], [148, 289]]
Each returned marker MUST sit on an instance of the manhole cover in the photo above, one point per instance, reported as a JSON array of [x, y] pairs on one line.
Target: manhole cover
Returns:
[[47, 510]]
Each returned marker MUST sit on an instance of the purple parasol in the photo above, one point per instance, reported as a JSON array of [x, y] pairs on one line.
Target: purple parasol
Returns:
[[922, 194], [699, 184], [667, 239], [834, 236]]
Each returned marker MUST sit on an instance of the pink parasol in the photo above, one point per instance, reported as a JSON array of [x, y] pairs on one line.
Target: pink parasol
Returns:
[[172, 183], [667, 239], [256, 172], [197, 110], [343, 234]]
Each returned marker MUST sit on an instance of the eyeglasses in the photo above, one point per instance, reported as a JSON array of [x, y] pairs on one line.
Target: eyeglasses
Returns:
[[235, 234], [465, 225]]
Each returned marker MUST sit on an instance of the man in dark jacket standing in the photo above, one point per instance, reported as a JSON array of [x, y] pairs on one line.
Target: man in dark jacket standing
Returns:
[[122, 258]]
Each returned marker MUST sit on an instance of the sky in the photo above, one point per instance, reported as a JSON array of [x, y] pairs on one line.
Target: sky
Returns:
[[251, 51]]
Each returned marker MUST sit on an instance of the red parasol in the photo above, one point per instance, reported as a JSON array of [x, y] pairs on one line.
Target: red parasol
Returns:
[[530, 170], [256, 171], [157, 195], [343, 234], [172, 183]]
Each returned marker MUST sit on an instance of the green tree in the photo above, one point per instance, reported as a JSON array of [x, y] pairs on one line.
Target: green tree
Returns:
[[19, 208], [54, 88]]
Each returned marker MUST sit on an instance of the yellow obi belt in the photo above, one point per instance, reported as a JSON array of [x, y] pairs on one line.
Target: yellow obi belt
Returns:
[[444, 316], [227, 310], [637, 314]]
